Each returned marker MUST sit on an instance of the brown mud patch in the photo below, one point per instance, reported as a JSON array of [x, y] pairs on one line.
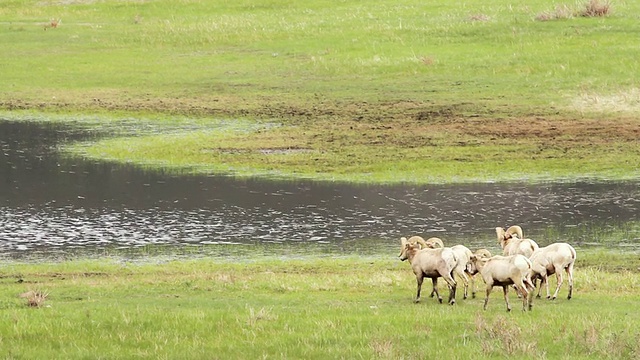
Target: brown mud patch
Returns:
[[405, 124]]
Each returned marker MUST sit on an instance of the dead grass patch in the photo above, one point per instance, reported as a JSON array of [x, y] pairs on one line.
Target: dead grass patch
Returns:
[[595, 8], [592, 8], [621, 101], [559, 13], [508, 335], [479, 17], [35, 298]]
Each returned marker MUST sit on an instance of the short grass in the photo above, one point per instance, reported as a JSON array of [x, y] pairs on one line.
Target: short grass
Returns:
[[310, 307], [366, 91]]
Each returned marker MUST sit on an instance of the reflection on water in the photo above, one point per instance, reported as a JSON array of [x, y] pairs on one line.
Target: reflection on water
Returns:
[[51, 206]]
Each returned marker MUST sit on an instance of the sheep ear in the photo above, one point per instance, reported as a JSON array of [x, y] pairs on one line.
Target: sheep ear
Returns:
[[403, 240]]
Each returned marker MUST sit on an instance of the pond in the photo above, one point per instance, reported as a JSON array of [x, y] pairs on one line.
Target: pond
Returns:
[[52, 207]]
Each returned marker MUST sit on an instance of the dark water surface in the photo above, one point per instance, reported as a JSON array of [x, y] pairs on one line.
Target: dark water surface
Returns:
[[52, 206]]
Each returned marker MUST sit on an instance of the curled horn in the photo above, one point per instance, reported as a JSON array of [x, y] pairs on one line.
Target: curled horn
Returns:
[[516, 231], [418, 240], [435, 242]]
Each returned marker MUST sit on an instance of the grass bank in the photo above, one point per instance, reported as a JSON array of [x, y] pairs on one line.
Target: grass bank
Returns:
[[367, 91], [313, 307]]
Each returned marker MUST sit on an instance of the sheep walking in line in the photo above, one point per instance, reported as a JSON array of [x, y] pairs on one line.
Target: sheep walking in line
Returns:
[[513, 242], [549, 260], [430, 263], [504, 271]]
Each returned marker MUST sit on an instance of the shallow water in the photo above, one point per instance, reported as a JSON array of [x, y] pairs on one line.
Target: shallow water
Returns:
[[52, 207]]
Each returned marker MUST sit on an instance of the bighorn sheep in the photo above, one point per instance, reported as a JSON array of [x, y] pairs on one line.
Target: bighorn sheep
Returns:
[[513, 242], [463, 254], [549, 260], [504, 271], [430, 263]]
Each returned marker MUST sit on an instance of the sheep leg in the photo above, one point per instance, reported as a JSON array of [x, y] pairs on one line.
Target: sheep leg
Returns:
[[435, 289], [524, 294], [505, 289], [473, 286], [465, 281], [559, 281], [419, 279], [452, 288], [569, 270], [530, 298], [535, 284], [545, 281], [486, 299]]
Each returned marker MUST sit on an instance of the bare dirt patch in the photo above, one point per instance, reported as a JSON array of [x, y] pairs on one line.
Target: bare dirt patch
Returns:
[[405, 124]]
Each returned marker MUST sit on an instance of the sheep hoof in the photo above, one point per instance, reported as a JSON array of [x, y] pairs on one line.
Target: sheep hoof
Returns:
[[452, 302], [440, 300], [416, 301], [473, 295], [538, 296], [569, 297], [508, 309]]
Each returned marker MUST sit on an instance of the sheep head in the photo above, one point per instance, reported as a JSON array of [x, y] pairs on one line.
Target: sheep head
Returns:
[[476, 262], [409, 247]]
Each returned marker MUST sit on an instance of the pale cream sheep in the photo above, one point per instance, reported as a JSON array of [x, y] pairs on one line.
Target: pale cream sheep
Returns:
[[513, 244], [553, 259], [481, 253], [504, 271], [430, 263], [463, 254]]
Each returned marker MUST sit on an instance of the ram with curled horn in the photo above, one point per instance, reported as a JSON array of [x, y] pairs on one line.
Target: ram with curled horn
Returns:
[[429, 263]]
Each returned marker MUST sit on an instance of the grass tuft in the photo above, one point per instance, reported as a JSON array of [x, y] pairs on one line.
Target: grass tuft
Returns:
[[592, 8], [561, 12], [596, 8], [35, 298]]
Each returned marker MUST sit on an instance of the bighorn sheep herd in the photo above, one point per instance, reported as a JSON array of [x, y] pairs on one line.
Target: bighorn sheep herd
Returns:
[[521, 264]]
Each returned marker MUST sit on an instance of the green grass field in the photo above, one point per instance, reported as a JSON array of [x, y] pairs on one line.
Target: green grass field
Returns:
[[311, 307], [363, 91]]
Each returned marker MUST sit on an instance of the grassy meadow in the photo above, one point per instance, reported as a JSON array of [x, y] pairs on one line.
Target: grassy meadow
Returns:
[[365, 91], [362, 91], [312, 308]]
